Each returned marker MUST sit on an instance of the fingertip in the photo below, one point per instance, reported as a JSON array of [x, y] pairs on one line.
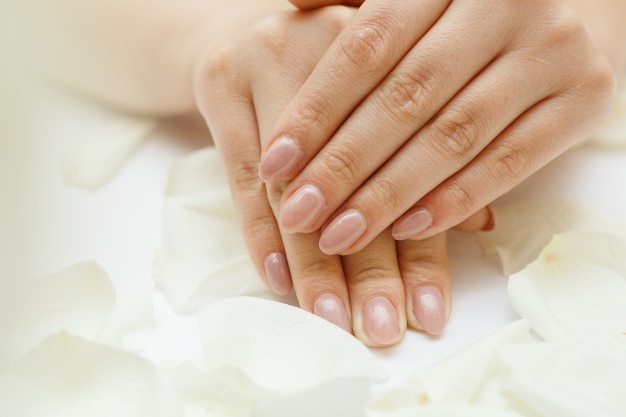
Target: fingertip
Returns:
[[277, 273], [429, 308], [412, 223], [332, 309], [280, 160], [381, 322]]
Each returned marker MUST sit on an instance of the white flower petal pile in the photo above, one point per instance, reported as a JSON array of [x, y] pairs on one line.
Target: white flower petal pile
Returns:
[[202, 257]]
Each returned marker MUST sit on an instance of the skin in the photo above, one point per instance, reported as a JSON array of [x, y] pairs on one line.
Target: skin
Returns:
[[482, 94]]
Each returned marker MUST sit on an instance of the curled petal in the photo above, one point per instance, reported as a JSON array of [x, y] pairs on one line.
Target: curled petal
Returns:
[[523, 230], [282, 348], [576, 289], [566, 379], [464, 380], [77, 299], [68, 376]]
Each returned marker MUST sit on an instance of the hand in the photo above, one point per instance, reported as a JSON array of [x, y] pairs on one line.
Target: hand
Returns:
[[422, 112], [374, 293]]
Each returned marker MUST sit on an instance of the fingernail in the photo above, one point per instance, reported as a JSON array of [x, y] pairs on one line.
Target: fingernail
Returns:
[[343, 232], [330, 307], [380, 321], [302, 208], [412, 224], [277, 273], [491, 222], [430, 309], [281, 157]]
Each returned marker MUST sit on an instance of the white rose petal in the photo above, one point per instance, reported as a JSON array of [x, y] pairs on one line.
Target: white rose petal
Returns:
[[226, 392], [130, 323], [576, 289], [566, 379], [91, 163], [67, 376], [77, 299], [294, 357], [523, 230], [467, 380], [202, 256]]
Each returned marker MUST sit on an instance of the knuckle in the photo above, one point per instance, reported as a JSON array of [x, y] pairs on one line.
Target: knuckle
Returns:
[[463, 202], [455, 132], [511, 163], [365, 269], [342, 164], [365, 47], [312, 113], [384, 191], [602, 79], [243, 177], [405, 96], [214, 69]]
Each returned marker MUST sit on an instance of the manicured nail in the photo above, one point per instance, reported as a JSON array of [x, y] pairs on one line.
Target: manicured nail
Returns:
[[343, 232], [302, 209], [430, 309], [277, 273], [413, 224], [330, 307], [491, 221], [281, 157], [380, 321]]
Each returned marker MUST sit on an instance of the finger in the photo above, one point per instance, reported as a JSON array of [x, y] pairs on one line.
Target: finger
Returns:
[[434, 71], [510, 159], [313, 4], [318, 280], [452, 139], [426, 277], [376, 293], [233, 125], [364, 52], [484, 220]]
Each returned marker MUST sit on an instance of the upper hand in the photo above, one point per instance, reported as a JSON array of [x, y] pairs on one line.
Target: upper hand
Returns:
[[422, 112]]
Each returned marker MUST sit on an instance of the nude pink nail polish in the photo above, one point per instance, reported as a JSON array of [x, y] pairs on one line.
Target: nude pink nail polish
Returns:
[[302, 209], [330, 307], [343, 232], [412, 224], [277, 273], [430, 309], [380, 321], [281, 157]]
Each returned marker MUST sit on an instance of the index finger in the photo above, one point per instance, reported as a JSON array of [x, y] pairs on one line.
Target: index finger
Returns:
[[369, 47]]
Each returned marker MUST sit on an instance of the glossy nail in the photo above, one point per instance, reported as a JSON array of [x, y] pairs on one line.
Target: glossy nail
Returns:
[[277, 273], [330, 307], [412, 224], [302, 209], [380, 321], [343, 232], [281, 157], [430, 309]]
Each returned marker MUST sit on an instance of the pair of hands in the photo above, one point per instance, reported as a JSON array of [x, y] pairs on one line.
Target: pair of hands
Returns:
[[379, 129]]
